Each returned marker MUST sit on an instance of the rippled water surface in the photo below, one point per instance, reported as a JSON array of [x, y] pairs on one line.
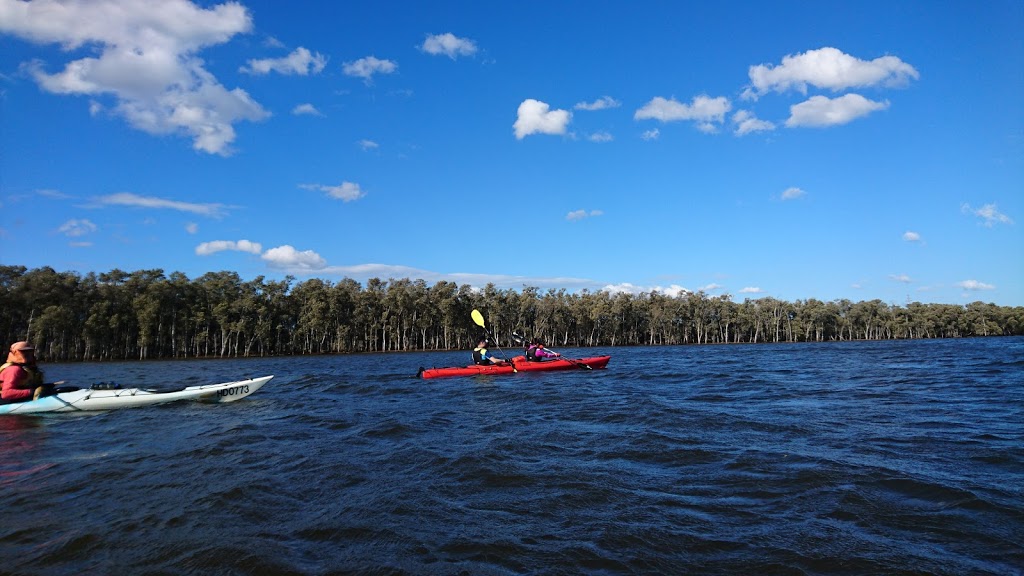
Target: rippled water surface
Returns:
[[840, 458]]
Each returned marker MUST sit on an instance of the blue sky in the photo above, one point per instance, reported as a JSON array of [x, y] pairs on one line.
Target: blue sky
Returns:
[[797, 150]]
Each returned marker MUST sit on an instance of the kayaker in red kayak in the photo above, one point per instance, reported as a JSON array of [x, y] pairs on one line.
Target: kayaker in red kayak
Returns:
[[536, 352], [482, 356]]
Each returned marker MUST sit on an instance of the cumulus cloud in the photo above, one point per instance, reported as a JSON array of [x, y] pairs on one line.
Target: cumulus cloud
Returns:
[[901, 278], [989, 214], [751, 290], [793, 193], [449, 45], [207, 248], [75, 228], [911, 236], [192, 228], [301, 62], [821, 111], [288, 258], [346, 191], [746, 122], [365, 68], [581, 214], [145, 58], [601, 103], [651, 134], [828, 68], [306, 109], [672, 291], [707, 112], [600, 137], [536, 117], [129, 199], [974, 285], [368, 145], [711, 287]]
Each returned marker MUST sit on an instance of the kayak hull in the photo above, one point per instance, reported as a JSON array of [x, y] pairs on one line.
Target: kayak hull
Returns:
[[521, 365], [93, 400]]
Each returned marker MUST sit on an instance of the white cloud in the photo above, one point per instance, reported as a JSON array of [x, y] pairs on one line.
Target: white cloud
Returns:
[[288, 258], [793, 193], [301, 62], [751, 290], [974, 285], [651, 134], [74, 228], [129, 199], [711, 287], [821, 111], [368, 145], [346, 191], [623, 288], [449, 45], [989, 213], [901, 278], [600, 137], [307, 109], [145, 58], [536, 117], [192, 228], [207, 248], [672, 291], [707, 112], [830, 69], [911, 236], [746, 122], [601, 103], [365, 68], [581, 214]]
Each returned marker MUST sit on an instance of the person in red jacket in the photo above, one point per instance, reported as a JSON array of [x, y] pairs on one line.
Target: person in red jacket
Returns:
[[20, 379]]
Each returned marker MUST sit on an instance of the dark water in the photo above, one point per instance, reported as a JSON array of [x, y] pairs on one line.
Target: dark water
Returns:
[[851, 458]]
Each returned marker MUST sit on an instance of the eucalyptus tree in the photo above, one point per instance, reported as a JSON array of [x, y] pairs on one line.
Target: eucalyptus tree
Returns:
[[220, 293], [344, 304], [313, 327]]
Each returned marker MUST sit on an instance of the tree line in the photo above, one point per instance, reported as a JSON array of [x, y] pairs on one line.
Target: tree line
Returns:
[[147, 314]]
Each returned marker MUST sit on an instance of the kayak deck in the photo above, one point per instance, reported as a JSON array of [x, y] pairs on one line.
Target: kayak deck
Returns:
[[520, 365], [89, 400]]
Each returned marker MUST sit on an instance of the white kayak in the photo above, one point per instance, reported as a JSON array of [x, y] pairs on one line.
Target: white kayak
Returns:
[[87, 399]]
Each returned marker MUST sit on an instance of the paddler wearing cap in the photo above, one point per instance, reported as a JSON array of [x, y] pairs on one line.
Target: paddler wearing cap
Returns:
[[21, 379]]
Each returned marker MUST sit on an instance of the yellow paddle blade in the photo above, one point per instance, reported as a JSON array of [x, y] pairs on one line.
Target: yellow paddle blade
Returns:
[[478, 318]]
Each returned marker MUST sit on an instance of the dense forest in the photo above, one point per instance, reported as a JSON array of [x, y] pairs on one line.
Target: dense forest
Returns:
[[147, 314]]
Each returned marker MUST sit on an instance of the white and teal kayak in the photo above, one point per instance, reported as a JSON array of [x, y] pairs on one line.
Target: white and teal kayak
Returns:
[[88, 399]]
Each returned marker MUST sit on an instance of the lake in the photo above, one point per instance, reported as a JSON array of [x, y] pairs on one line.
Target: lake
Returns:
[[896, 457]]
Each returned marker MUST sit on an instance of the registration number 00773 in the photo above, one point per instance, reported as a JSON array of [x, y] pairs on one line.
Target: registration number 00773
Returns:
[[234, 390]]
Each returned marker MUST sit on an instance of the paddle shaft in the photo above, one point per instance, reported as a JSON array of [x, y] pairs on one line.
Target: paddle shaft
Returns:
[[581, 365], [479, 320]]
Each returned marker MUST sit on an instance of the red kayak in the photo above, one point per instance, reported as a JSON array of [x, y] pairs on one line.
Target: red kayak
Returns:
[[521, 365]]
